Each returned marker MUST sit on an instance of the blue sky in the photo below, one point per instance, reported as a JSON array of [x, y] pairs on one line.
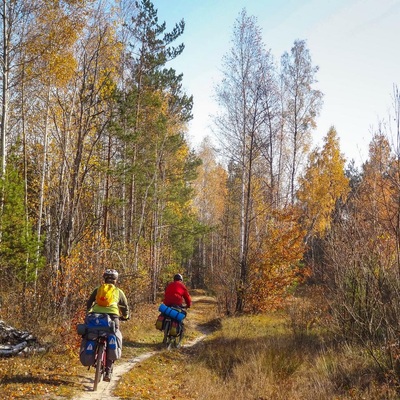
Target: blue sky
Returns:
[[354, 43]]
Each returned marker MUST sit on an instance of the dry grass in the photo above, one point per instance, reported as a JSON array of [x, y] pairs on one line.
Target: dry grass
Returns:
[[260, 358], [255, 357], [50, 376]]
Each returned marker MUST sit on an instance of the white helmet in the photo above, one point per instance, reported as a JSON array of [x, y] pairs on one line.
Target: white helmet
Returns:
[[178, 277], [110, 273]]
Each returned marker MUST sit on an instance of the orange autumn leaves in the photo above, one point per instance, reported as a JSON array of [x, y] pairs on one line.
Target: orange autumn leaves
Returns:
[[278, 267], [279, 263]]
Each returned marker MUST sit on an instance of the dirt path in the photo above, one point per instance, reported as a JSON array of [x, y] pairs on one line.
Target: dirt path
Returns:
[[105, 389]]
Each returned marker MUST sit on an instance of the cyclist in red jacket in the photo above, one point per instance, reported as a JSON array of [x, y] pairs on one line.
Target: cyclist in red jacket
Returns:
[[176, 292]]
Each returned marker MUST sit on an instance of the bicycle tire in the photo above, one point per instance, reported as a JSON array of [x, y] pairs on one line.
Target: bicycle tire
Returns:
[[167, 338], [99, 361], [178, 339]]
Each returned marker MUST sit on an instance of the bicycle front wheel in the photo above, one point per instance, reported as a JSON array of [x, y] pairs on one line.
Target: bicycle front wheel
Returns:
[[99, 361]]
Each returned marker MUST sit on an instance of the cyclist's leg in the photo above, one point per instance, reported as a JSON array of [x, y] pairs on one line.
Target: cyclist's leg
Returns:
[[118, 335], [108, 371]]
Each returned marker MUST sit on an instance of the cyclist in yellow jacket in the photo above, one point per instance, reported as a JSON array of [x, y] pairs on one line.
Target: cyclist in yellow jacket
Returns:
[[118, 310]]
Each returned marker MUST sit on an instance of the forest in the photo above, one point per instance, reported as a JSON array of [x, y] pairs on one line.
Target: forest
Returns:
[[97, 172]]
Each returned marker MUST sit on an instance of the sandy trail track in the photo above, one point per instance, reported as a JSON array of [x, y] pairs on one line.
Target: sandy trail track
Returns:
[[104, 389]]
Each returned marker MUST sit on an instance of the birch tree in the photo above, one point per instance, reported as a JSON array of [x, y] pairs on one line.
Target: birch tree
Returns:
[[47, 65], [210, 197], [240, 96], [10, 29], [302, 104]]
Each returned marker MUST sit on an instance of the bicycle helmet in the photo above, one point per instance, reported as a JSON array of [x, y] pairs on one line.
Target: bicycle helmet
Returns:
[[110, 274], [178, 277]]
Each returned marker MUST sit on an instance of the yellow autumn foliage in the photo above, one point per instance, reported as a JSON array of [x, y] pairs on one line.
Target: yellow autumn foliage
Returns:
[[323, 185]]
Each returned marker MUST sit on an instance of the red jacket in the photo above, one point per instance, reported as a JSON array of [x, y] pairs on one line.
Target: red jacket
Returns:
[[175, 292]]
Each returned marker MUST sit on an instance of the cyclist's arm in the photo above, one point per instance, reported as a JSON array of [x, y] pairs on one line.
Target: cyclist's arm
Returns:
[[187, 298], [123, 305], [91, 300]]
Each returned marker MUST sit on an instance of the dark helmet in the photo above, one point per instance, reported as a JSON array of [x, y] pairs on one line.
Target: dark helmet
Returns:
[[110, 274], [178, 277]]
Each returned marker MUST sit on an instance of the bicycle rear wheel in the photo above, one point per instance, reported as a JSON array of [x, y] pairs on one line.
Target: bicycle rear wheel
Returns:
[[167, 338], [179, 338], [99, 369]]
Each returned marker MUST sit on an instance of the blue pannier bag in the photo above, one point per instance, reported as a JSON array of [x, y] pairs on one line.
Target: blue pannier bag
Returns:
[[87, 352], [112, 342], [90, 347], [113, 347]]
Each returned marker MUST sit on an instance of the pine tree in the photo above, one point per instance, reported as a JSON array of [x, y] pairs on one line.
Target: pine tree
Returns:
[[156, 165]]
